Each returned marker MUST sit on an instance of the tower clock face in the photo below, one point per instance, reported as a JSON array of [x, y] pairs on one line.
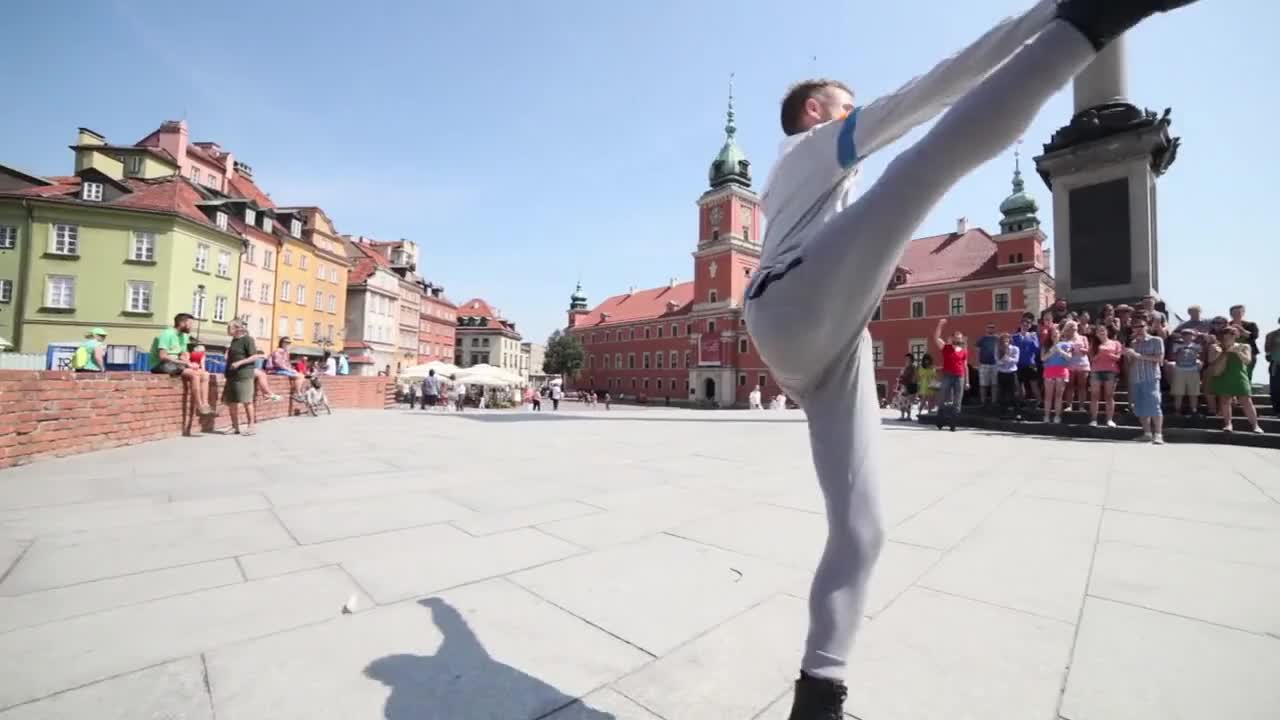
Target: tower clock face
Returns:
[[715, 216]]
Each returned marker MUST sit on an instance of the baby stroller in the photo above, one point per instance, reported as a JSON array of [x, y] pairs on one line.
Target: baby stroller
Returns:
[[316, 399]]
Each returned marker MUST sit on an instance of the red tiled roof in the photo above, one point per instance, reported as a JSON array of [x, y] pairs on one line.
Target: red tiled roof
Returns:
[[203, 155], [366, 262], [641, 305], [246, 188], [952, 257], [171, 194], [478, 307]]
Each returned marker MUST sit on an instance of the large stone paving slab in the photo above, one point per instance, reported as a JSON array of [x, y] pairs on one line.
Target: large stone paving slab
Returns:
[[96, 554], [657, 593], [491, 650], [1031, 554], [932, 655], [402, 564], [1136, 664], [173, 691], [44, 659], [640, 564]]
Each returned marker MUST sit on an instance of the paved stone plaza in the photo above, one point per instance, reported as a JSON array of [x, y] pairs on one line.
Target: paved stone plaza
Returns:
[[651, 563]]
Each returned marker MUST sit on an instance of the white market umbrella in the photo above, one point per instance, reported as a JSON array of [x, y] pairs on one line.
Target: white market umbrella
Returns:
[[488, 380], [489, 372], [417, 372]]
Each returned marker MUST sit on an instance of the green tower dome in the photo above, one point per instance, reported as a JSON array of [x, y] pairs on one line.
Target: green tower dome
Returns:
[[731, 166], [578, 301], [1020, 208]]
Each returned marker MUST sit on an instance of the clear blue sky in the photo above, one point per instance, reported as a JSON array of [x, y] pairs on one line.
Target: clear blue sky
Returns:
[[524, 145]]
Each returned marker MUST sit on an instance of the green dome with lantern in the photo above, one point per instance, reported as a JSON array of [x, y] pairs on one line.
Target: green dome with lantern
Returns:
[[1020, 208], [731, 166], [578, 301]]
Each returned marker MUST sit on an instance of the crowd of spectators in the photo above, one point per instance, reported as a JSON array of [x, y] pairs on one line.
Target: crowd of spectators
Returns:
[[1072, 361]]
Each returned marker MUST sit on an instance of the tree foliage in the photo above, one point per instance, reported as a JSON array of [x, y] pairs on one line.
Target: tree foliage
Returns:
[[564, 355]]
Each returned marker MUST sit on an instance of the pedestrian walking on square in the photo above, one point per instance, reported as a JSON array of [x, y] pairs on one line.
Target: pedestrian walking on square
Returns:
[[430, 390], [823, 243]]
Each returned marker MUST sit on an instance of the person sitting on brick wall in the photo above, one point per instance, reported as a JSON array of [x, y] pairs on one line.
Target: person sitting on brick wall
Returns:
[[169, 357]]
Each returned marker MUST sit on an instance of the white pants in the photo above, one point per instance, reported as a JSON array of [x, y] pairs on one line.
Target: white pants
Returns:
[[810, 321]]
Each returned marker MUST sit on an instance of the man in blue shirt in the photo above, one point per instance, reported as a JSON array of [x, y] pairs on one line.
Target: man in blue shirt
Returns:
[[1028, 342], [987, 364]]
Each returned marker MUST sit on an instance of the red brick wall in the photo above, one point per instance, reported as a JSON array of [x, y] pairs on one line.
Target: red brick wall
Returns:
[[45, 414]]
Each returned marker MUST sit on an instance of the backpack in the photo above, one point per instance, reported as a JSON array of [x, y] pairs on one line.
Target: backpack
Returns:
[[80, 360]]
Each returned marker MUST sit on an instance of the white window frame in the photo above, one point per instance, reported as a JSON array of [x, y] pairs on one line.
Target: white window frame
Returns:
[[648, 361], [1008, 293], [333, 303], [319, 299], [141, 291], [251, 254], [283, 327], [267, 224], [220, 220], [320, 273], [269, 259], [6, 291], [262, 327], [67, 297], [951, 302], [302, 261], [195, 175], [202, 258], [197, 305], [91, 191], [658, 360], [142, 247], [877, 353], [133, 164], [924, 308], [922, 344], [224, 263], [295, 228], [69, 237], [8, 237], [298, 327], [316, 328], [673, 360], [287, 257], [250, 217], [246, 288], [264, 293], [301, 294], [286, 291]]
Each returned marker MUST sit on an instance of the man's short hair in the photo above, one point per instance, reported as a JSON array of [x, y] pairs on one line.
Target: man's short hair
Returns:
[[798, 95], [182, 316], [1234, 308], [1194, 308]]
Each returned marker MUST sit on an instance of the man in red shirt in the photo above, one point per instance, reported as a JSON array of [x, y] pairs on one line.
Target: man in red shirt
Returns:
[[955, 372]]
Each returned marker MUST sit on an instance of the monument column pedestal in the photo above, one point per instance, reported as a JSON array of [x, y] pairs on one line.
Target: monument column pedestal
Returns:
[[1102, 169]]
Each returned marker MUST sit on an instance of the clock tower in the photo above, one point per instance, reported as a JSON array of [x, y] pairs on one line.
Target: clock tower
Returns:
[[728, 228]]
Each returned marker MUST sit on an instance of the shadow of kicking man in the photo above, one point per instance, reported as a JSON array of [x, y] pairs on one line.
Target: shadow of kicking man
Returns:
[[463, 682]]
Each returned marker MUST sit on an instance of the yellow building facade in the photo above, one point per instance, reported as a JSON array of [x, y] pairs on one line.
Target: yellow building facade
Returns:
[[311, 282]]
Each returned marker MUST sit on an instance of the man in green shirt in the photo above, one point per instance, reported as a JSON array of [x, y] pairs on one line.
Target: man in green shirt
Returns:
[[95, 351], [169, 356]]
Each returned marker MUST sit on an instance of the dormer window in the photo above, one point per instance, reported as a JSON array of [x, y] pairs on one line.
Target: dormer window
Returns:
[[266, 224], [91, 191], [249, 216], [295, 228], [195, 175], [899, 278], [221, 220], [134, 165]]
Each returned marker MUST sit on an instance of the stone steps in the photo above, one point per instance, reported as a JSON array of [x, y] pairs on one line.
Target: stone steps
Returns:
[[1075, 425]]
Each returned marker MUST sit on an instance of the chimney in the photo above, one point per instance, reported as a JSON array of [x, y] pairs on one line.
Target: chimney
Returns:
[[671, 283], [242, 169], [962, 225], [631, 290], [173, 138], [85, 136]]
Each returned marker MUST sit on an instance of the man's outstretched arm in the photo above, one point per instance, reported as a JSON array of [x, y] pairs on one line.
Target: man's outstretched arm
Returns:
[[920, 100]]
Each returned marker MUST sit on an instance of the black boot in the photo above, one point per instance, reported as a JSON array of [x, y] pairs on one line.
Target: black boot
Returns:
[[818, 699], [1102, 21]]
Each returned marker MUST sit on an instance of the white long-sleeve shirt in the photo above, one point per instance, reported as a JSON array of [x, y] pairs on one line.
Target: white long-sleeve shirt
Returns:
[[816, 174]]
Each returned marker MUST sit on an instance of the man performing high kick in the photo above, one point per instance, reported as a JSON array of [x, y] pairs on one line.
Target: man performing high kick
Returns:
[[822, 244]]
